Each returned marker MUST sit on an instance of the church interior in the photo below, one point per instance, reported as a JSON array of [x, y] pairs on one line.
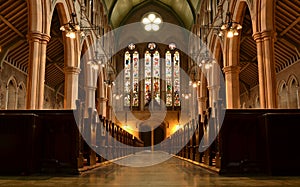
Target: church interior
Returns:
[[209, 88]]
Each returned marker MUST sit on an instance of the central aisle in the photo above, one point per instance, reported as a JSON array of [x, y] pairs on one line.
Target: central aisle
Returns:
[[173, 172]]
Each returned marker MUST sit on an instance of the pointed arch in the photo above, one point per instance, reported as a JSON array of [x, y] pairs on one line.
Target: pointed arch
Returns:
[[21, 101], [293, 91], [11, 93], [282, 94]]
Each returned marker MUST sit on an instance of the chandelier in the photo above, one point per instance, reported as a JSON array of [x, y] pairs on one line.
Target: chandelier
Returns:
[[109, 74], [231, 28], [72, 27], [228, 28]]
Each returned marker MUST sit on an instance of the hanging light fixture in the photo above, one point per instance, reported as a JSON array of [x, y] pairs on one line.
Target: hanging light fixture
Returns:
[[229, 27], [109, 74], [72, 27]]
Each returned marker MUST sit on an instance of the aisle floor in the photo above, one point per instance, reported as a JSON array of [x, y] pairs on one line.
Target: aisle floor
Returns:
[[173, 172]]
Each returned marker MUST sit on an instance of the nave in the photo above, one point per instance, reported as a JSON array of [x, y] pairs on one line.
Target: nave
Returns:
[[173, 172]]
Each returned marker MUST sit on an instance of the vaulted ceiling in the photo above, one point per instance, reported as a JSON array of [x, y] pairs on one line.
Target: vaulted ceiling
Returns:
[[120, 10]]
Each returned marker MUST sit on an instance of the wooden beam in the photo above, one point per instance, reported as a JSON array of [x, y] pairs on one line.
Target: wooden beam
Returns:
[[59, 68], [248, 64], [289, 27], [11, 26], [8, 48]]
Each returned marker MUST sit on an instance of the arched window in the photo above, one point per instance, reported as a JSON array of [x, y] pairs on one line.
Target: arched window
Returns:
[[293, 94], [135, 70], [11, 95], [150, 73], [127, 79], [172, 79], [283, 100], [21, 97]]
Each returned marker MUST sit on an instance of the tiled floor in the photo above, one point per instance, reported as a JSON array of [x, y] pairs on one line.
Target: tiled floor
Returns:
[[173, 172]]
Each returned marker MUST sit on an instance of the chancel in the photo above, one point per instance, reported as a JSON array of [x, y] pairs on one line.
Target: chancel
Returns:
[[174, 92]]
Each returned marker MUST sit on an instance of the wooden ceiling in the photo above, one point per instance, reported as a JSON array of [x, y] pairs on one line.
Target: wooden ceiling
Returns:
[[13, 29]]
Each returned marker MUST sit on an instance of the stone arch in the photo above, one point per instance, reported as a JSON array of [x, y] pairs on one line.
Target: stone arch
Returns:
[[21, 101], [239, 7], [64, 9], [35, 18], [293, 92], [267, 15], [283, 94], [11, 93], [256, 101]]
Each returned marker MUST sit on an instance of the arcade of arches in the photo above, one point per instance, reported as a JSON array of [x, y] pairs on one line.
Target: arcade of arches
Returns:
[[43, 68]]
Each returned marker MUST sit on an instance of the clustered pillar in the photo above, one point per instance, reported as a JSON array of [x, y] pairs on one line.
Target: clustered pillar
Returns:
[[36, 69], [266, 68]]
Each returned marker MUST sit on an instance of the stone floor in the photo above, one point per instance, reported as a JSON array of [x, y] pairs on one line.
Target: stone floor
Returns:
[[173, 172]]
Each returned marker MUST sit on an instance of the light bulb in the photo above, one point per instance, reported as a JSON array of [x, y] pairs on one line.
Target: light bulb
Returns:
[[77, 27], [230, 34], [207, 66], [235, 33], [224, 26], [72, 34], [239, 27], [195, 85], [62, 28]]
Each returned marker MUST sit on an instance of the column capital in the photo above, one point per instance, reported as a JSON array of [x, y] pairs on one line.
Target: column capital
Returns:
[[102, 99], [268, 34], [38, 36], [257, 36], [231, 69], [93, 88], [72, 70]]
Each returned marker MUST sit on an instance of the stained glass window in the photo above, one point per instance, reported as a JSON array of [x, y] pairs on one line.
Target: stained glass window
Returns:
[[135, 70], [176, 78], [156, 76], [151, 68], [127, 78], [148, 67], [172, 79], [168, 79]]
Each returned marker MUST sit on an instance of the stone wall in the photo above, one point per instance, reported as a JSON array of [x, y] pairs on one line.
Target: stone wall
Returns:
[[13, 90], [291, 96]]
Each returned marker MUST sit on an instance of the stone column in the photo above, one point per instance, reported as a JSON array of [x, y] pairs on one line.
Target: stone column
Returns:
[[41, 84], [71, 87], [36, 69], [109, 102], [261, 70], [232, 86], [269, 62]]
